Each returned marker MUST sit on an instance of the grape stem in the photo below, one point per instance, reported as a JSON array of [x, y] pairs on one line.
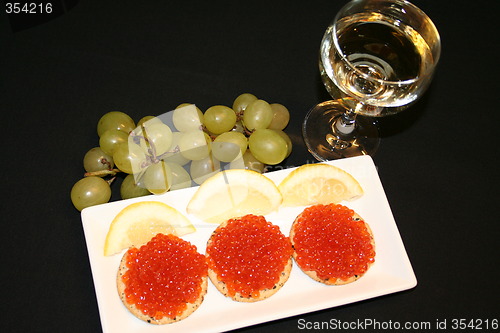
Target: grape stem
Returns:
[[102, 173], [151, 155], [204, 129], [239, 115], [110, 181], [106, 162], [247, 131]]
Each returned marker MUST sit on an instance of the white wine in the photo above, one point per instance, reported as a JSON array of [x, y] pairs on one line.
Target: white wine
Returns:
[[377, 57], [377, 64]]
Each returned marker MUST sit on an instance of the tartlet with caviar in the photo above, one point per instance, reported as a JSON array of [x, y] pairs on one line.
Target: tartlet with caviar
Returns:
[[163, 281], [332, 244], [249, 258]]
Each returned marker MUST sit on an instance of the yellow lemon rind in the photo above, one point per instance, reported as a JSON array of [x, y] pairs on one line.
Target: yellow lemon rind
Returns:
[[169, 218], [233, 193], [297, 187]]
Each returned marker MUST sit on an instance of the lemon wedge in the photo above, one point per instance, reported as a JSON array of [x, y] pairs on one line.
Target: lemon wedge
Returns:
[[137, 223], [233, 193], [318, 184]]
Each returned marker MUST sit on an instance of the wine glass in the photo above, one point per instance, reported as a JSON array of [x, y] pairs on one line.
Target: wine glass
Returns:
[[376, 58]]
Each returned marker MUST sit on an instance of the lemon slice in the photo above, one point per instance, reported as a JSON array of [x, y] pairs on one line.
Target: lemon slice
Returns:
[[137, 223], [318, 184], [234, 193]]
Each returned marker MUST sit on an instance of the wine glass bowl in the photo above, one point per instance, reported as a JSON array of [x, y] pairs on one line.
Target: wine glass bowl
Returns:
[[376, 58]]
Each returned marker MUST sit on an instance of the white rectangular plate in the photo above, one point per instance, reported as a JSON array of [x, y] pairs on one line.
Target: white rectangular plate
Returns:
[[392, 271]]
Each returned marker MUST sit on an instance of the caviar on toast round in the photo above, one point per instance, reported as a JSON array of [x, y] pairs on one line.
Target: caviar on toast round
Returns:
[[249, 258], [163, 281], [332, 244]]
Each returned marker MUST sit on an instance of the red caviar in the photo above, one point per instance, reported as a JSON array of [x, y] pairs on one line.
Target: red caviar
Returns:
[[163, 276], [248, 255], [329, 241]]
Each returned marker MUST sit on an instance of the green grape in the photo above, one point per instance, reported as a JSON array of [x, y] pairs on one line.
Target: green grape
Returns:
[[180, 177], [241, 102], [238, 127], [115, 120], [96, 160], [175, 155], [150, 122], [281, 117], [195, 145], [258, 115], [229, 145], [225, 151], [187, 117], [236, 137], [219, 119], [159, 138], [129, 157], [288, 141], [111, 139], [267, 146], [202, 169], [158, 178], [249, 163], [237, 163], [90, 191], [132, 189], [146, 119]]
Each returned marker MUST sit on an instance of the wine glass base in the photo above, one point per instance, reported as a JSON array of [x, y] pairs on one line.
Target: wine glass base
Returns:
[[325, 142]]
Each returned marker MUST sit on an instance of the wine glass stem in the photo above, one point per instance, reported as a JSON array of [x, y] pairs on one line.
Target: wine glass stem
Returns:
[[346, 123]]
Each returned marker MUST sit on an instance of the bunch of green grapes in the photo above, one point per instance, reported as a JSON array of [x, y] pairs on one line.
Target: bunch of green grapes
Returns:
[[264, 124], [181, 148], [141, 153], [252, 125], [101, 162]]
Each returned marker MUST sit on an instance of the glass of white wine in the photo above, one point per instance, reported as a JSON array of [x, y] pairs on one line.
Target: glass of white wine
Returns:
[[377, 57]]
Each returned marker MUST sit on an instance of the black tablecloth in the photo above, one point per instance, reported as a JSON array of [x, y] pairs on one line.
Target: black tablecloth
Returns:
[[437, 160]]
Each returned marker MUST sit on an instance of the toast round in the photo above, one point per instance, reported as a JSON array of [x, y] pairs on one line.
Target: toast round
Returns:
[[263, 294], [190, 306], [225, 283], [303, 252]]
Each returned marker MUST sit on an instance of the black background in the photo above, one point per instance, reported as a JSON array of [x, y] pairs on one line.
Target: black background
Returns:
[[437, 160]]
